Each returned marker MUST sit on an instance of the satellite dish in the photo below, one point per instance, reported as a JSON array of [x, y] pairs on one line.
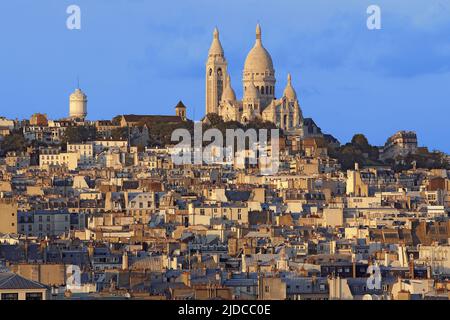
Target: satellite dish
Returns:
[[367, 297]]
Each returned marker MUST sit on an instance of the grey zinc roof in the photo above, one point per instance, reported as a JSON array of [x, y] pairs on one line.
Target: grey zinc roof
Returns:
[[9, 280]]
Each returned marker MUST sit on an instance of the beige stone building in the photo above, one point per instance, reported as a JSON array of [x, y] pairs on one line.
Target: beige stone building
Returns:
[[15, 287], [8, 216], [54, 157], [258, 80], [78, 105]]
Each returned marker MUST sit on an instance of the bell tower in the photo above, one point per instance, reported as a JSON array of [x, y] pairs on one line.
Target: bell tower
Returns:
[[216, 72]]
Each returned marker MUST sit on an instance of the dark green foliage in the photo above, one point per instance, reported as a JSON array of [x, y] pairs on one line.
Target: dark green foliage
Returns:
[[423, 159], [13, 142], [79, 134], [357, 151], [116, 120], [120, 133], [160, 133]]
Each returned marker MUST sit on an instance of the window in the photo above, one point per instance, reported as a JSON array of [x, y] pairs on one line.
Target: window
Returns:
[[33, 296], [10, 296]]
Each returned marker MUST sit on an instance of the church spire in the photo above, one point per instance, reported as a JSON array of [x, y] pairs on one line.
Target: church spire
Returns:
[[289, 91], [228, 93], [216, 71], [216, 33], [216, 47], [258, 33]]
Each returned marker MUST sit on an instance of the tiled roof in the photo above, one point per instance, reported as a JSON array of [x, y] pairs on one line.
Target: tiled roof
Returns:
[[9, 280]]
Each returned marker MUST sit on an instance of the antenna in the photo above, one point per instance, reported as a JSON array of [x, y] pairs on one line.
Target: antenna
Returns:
[[78, 82]]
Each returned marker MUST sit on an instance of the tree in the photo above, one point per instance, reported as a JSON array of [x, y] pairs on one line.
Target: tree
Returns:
[[214, 119], [13, 142], [116, 120], [360, 140], [79, 134], [358, 150], [120, 133]]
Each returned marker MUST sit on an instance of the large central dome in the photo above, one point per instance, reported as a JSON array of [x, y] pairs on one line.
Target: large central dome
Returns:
[[258, 59]]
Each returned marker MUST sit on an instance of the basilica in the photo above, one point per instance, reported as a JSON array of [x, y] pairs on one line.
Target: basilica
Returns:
[[258, 80]]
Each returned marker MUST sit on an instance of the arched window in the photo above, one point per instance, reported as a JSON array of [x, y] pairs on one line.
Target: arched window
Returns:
[[210, 72], [267, 89], [262, 90]]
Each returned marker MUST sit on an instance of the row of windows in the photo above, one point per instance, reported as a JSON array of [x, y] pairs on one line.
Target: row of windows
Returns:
[[266, 90], [141, 204], [79, 147], [259, 74], [56, 158], [28, 296]]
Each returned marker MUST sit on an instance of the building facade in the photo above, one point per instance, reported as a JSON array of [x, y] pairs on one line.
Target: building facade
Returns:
[[258, 80]]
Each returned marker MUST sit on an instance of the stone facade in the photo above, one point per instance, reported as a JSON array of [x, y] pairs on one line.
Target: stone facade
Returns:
[[258, 80]]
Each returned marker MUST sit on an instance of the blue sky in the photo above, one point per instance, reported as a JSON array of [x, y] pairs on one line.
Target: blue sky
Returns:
[[142, 56]]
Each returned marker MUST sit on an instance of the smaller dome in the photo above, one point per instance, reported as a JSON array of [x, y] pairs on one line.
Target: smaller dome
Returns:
[[251, 92], [216, 47], [289, 91], [228, 93], [78, 95]]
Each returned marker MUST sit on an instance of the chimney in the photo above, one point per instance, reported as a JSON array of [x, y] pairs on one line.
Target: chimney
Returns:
[[91, 250], [353, 267], [186, 278], [125, 261], [429, 274], [411, 266]]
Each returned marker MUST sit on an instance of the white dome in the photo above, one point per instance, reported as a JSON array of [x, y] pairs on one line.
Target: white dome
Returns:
[[216, 47], [289, 91], [251, 92], [258, 59], [228, 93], [78, 104], [78, 95]]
